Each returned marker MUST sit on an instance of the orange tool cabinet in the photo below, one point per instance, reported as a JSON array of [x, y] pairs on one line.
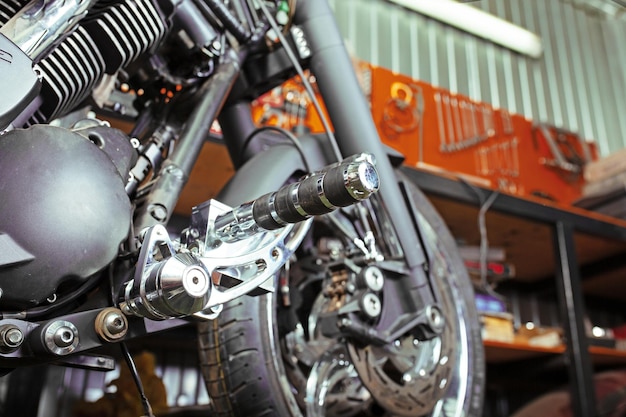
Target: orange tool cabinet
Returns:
[[439, 130]]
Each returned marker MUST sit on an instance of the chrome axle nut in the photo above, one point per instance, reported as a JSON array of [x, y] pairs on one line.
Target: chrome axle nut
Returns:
[[196, 281]]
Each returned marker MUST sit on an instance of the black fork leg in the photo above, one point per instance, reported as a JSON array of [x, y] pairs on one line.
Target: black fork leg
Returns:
[[350, 115]]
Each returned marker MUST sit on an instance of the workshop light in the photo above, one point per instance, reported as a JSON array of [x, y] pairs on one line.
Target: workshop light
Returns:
[[479, 23]]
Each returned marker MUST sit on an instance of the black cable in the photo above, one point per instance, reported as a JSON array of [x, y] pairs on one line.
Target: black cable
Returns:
[[135, 374], [38, 312], [128, 357], [485, 205], [286, 133]]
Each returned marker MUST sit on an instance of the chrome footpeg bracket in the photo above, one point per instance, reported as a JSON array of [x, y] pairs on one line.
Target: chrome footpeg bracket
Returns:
[[244, 265], [195, 276]]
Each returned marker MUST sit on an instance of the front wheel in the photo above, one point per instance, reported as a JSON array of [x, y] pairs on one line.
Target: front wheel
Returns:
[[280, 354]]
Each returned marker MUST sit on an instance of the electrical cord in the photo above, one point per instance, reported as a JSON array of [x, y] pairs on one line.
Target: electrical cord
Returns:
[[484, 243], [137, 379], [485, 205], [66, 300]]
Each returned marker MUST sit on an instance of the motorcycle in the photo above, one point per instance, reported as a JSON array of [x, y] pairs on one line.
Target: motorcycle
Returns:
[[322, 281]]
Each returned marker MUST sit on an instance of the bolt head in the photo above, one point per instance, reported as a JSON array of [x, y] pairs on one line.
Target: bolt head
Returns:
[[12, 337], [374, 278], [371, 305], [158, 212], [63, 337], [435, 318], [111, 324], [15, 337], [115, 323]]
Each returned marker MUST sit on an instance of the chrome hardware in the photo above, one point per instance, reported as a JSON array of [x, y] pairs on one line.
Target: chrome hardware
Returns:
[[60, 337], [11, 337], [111, 324], [37, 26]]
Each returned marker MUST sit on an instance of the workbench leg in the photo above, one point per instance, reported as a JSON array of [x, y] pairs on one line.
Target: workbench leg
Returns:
[[572, 307]]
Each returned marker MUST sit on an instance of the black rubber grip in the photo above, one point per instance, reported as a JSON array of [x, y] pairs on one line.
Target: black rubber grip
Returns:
[[338, 185]]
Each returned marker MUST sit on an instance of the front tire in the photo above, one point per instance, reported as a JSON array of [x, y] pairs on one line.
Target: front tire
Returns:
[[253, 367]]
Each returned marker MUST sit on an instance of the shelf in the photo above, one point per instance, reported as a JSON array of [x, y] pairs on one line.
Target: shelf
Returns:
[[523, 239], [608, 282], [580, 252], [524, 227], [502, 352], [607, 356]]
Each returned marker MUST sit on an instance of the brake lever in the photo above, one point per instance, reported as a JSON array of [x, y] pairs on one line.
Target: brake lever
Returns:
[[338, 185]]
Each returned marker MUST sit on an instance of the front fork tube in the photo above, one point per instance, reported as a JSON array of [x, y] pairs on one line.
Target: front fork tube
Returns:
[[355, 128]]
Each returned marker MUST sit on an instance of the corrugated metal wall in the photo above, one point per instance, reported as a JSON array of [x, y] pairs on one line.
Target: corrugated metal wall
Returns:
[[578, 84]]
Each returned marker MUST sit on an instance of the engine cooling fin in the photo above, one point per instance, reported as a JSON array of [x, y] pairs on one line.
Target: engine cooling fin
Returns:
[[69, 74], [108, 39], [8, 8], [126, 30]]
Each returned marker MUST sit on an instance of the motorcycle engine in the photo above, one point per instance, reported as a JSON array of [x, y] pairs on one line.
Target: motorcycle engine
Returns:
[[64, 209], [63, 206]]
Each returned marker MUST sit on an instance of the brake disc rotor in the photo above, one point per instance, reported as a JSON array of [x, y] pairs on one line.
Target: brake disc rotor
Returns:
[[407, 381], [410, 377]]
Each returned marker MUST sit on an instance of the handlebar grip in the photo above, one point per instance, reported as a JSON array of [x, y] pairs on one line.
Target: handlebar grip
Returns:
[[338, 185]]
